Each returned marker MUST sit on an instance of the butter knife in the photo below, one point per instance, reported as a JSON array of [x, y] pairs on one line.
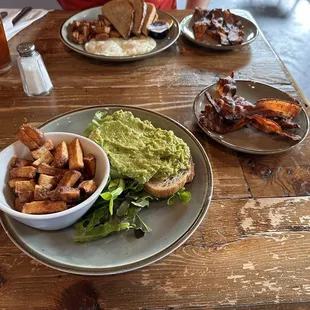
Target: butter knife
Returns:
[[22, 13]]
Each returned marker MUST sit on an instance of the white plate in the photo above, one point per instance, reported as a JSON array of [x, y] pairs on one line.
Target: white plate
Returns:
[[92, 14]]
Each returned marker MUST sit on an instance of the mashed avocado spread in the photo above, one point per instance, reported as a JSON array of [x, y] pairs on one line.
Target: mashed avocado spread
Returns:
[[136, 149]]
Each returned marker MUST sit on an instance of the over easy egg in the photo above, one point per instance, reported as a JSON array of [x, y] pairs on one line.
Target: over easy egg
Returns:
[[120, 47]]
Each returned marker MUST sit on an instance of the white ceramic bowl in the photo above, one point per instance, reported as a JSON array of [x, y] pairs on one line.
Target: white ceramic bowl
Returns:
[[61, 219]]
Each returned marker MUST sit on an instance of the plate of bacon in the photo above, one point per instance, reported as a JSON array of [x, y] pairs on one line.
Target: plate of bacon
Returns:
[[250, 117], [218, 29]]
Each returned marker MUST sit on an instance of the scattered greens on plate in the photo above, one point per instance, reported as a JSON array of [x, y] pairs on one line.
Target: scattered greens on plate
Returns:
[[117, 208]]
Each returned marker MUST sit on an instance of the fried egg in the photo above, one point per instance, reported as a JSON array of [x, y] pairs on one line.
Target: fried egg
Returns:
[[120, 47]]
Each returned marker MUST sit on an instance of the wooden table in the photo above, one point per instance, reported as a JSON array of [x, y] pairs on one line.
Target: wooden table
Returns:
[[252, 250]]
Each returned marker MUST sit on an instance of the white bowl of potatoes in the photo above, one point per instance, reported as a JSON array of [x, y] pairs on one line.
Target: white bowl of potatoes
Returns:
[[51, 180]]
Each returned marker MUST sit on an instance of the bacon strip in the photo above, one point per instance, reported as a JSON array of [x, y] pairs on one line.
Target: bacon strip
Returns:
[[214, 122], [231, 112]]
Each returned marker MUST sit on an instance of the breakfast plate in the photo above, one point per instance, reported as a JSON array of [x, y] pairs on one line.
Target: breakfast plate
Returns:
[[250, 33], [121, 252], [92, 14], [250, 140]]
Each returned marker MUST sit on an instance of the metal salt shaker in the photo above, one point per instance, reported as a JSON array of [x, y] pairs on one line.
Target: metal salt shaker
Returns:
[[35, 78]]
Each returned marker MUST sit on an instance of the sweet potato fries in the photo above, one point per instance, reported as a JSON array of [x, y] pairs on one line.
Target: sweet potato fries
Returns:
[[231, 112]]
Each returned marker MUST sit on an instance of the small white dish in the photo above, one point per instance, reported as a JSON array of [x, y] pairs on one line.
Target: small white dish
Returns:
[[59, 220]]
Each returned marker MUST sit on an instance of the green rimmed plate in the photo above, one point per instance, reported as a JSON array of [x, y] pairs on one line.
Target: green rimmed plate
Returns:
[[250, 34], [92, 14], [248, 139], [171, 225]]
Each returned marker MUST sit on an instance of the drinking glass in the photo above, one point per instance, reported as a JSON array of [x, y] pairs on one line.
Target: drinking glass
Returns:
[[5, 57]]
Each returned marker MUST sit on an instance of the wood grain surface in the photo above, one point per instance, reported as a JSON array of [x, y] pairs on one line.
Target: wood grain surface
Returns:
[[252, 250]]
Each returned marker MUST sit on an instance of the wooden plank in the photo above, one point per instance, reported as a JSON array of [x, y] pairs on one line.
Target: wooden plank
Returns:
[[279, 175], [229, 180], [246, 252]]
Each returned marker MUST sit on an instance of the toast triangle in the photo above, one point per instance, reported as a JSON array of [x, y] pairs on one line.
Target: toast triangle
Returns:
[[149, 18], [139, 7], [120, 15]]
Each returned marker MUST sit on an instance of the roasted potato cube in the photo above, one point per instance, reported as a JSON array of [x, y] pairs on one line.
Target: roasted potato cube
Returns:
[[69, 194], [24, 185], [46, 158], [46, 169], [44, 207], [69, 178], [41, 192], [49, 170], [75, 155], [61, 155], [34, 134], [53, 195], [17, 162], [53, 163], [114, 34], [28, 172], [88, 187], [25, 190], [75, 36], [12, 182], [18, 206], [47, 146], [90, 165], [46, 180], [102, 37], [102, 29], [75, 24], [22, 136], [82, 39], [85, 30]]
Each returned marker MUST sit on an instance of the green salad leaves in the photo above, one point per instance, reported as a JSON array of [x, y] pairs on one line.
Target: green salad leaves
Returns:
[[117, 209]]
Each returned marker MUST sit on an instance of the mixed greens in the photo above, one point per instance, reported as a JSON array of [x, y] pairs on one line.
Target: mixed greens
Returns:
[[117, 208]]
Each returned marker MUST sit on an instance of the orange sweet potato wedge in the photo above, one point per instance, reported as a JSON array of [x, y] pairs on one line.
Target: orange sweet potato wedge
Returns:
[[269, 126], [276, 107]]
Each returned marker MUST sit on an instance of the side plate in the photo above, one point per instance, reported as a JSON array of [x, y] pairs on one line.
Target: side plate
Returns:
[[250, 34], [249, 140]]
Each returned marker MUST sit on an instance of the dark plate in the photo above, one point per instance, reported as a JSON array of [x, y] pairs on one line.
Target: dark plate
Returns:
[[250, 34], [249, 140]]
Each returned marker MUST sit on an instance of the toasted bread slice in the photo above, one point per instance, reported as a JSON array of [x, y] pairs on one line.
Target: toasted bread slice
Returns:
[[120, 15], [170, 186], [139, 7], [155, 18], [149, 18]]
